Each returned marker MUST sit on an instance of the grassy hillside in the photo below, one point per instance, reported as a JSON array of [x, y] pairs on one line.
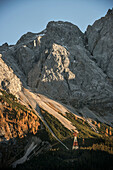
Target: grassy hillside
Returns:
[[17, 126], [59, 130], [95, 149]]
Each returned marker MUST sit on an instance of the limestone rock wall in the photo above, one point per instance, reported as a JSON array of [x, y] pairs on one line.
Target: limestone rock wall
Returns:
[[8, 80], [100, 43], [63, 63]]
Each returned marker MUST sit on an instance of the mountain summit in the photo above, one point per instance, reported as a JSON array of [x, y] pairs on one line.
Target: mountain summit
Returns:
[[64, 64]]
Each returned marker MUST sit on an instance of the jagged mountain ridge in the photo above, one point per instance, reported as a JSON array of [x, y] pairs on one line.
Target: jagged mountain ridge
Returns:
[[66, 65]]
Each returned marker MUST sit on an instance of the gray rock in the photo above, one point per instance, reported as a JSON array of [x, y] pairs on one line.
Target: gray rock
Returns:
[[8, 80], [100, 43], [64, 64]]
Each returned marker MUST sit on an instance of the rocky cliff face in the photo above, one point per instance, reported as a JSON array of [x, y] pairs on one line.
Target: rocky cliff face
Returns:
[[8, 80], [100, 43], [65, 64]]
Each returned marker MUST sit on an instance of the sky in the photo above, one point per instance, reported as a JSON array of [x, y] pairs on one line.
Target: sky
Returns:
[[18, 17]]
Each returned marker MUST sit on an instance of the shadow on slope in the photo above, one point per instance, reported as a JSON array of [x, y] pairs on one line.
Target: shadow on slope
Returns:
[[79, 159]]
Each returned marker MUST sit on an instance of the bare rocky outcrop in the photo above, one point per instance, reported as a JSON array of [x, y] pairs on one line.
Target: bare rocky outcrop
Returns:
[[100, 43], [8, 80], [64, 64]]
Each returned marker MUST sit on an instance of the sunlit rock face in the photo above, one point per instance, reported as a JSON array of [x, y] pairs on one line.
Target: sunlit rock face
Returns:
[[64, 63], [65, 68], [8, 80]]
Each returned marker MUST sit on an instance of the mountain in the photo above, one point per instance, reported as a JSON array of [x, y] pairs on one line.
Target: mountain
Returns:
[[64, 64], [62, 80]]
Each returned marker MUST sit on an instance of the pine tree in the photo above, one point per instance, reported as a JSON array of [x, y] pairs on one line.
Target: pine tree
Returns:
[[99, 125], [110, 133]]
